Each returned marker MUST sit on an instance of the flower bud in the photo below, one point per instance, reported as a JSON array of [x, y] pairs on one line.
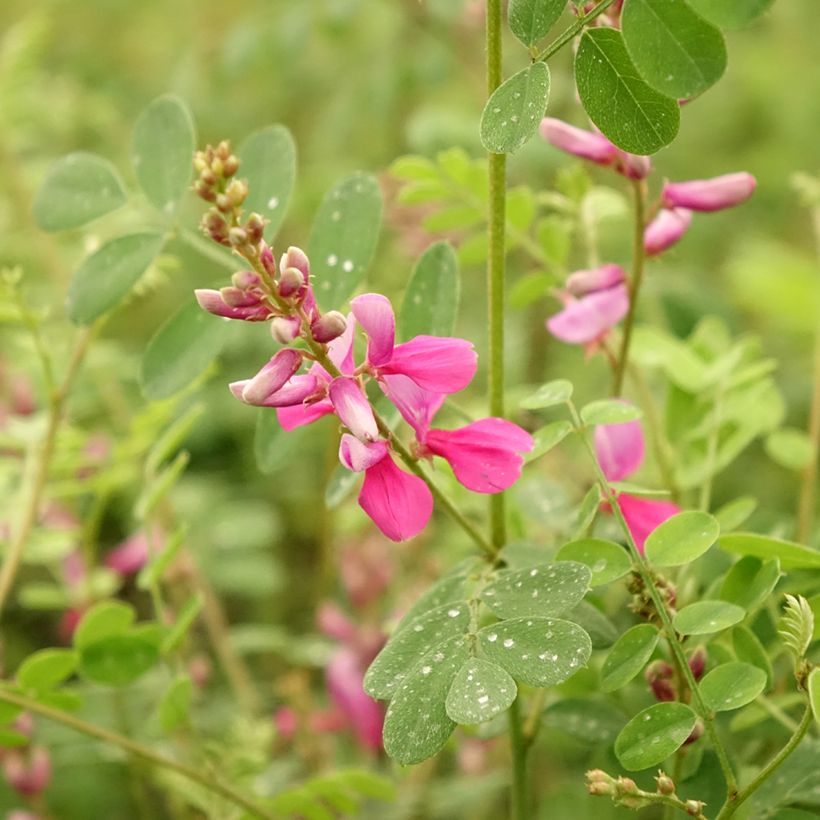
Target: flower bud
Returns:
[[633, 166], [237, 236], [246, 279], [665, 784], [599, 782], [694, 808], [272, 376], [266, 258], [696, 734], [291, 281], [235, 297], [666, 229], [237, 192], [223, 150], [285, 329], [200, 163], [208, 177], [709, 194], [697, 662], [223, 202], [296, 258], [231, 165], [255, 226], [204, 191], [578, 142], [213, 223], [583, 282], [28, 772], [328, 327], [659, 675]]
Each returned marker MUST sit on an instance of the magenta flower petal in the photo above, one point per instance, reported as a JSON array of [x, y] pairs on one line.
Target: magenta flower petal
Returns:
[[272, 376], [375, 314], [435, 363], [345, 679], [485, 455], [583, 282], [585, 144], [666, 229], [587, 319], [298, 415], [353, 408], [619, 449], [212, 301], [400, 504], [340, 350], [645, 514], [358, 455], [294, 391], [710, 194], [417, 406]]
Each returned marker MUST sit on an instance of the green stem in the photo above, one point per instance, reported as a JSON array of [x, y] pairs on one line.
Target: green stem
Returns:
[[206, 780], [31, 504], [495, 262], [518, 747], [635, 281], [562, 39], [733, 803], [663, 613]]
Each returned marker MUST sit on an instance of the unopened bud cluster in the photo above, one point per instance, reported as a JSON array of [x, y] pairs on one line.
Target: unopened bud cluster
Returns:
[[625, 792], [642, 603]]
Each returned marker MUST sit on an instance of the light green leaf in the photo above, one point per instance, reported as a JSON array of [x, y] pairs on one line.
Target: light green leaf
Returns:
[[654, 734], [268, 163], [531, 20], [813, 688], [791, 555], [180, 351], [676, 51], [731, 515], [275, 448], [103, 620], [629, 112], [175, 704], [453, 218], [106, 277], [416, 725], [154, 491], [413, 168], [790, 448], [514, 110], [628, 656], [8, 712], [448, 590], [732, 685], [548, 589], [185, 620], [162, 150], [340, 485], [343, 238], [609, 411], [681, 539], [117, 660], [586, 512], [9, 739], [77, 189], [152, 572], [749, 582], [749, 649], [548, 395], [46, 669], [548, 437], [403, 650], [537, 651], [736, 14], [706, 617], [172, 438], [481, 690], [590, 721], [601, 630], [607, 560], [430, 304]]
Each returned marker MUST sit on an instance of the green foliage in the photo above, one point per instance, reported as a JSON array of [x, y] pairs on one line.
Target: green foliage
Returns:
[[750, 582], [654, 734], [103, 620], [707, 617], [609, 411], [813, 687], [750, 650], [607, 561], [531, 20], [790, 448], [480, 691], [634, 116], [796, 627], [732, 685], [732, 15], [430, 304], [590, 721], [549, 395], [118, 660], [46, 669], [174, 708], [628, 656], [790, 555], [514, 110], [547, 437], [681, 539]]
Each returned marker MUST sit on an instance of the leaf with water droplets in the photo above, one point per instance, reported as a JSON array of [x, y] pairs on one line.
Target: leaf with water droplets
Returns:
[[676, 51], [268, 158], [607, 560], [481, 690], [537, 651], [732, 685], [430, 302], [77, 189], [416, 725], [706, 617], [514, 110], [629, 112], [548, 589], [161, 151], [590, 721], [343, 238], [602, 632], [681, 539], [749, 582], [448, 590], [628, 656], [654, 734], [531, 20], [407, 646], [555, 392]]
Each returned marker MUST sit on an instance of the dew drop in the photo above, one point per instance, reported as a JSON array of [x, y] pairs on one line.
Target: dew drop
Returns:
[[332, 259], [273, 202]]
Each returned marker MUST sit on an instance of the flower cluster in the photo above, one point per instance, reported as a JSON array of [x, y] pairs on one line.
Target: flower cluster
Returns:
[[416, 375]]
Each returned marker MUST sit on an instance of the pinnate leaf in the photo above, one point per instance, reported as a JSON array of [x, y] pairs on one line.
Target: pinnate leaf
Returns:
[[531, 20], [654, 734], [681, 539], [480, 691], [707, 617], [732, 685], [607, 560], [628, 656]]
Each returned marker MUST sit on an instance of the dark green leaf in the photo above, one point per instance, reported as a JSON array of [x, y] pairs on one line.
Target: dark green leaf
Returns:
[[448, 590], [791, 555], [548, 395], [481, 690], [430, 303], [731, 686], [681, 539], [103, 620], [46, 669], [531, 20], [548, 437], [601, 630], [748, 649], [628, 656], [117, 660], [609, 411], [629, 112], [706, 617], [654, 734], [607, 560], [589, 721], [730, 15], [749, 582]]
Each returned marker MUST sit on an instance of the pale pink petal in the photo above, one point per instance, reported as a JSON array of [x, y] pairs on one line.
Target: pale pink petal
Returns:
[[417, 406], [435, 363], [485, 455], [212, 301], [375, 314], [299, 415], [666, 229], [358, 455], [645, 514], [272, 376], [293, 392], [340, 350], [353, 408], [633, 166], [345, 677], [710, 194], [400, 504], [130, 556], [332, 622], [583, 282], [619, 449], [589, 318], [585, 144]]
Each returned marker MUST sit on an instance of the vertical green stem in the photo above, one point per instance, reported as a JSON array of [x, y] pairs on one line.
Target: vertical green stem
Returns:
[[520, 785], [635, 281]]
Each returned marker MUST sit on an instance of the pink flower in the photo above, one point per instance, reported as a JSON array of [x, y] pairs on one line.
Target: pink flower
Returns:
[[27, 772], [709, 194], [620, 452], [345, 679], [244, 299], [130, 556], [666, 229], [603, 303]]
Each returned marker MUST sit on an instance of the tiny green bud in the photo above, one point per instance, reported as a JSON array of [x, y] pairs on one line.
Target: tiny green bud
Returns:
[[237, 191], [665, 784]]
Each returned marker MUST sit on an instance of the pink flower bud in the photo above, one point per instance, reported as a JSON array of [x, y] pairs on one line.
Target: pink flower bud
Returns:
[[246, 279], [291, 281], [272, 376], [585, 144], [710, 194], [633, 166], [286, 722], [697, 662], [666, 229], [334, 623], [328, 327], [28, 772], [235, 297], [212, 301], [697, 732], [285, 329], [267, 260], [296, 258], [586, 281]]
